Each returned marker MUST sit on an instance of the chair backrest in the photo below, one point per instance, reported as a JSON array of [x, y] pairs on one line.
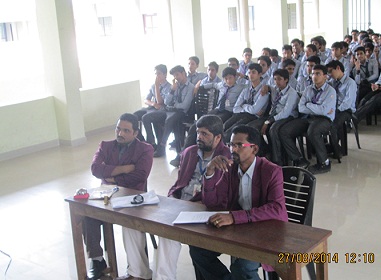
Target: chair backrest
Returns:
[[299, 190], [205, 101]]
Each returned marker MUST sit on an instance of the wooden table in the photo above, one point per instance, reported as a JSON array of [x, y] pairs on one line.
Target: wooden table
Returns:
[[260, 241]]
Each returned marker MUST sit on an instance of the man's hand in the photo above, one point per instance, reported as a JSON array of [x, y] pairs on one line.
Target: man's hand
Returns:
[[220, 220], [110, 180], [174, 84], [157, 106], [375, 87], [123, 169], [264, 90], [157, 83], [219, 163], [357, 65]]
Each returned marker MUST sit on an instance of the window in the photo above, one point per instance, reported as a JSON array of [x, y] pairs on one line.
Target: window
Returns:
[[251, 17], [150, 23], [232, 17], [291, 12], [105, 24], [8, 31], [358, 14]]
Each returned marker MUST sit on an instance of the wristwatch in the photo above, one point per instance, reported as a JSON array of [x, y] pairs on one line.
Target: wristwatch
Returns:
[[267, 122]]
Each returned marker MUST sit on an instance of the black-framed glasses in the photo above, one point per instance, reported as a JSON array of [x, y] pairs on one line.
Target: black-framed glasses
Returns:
[[138, 199], [239, 145]]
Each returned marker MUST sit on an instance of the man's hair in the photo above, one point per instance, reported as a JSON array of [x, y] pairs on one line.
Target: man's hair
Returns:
[[317, 39], [296, 40], [363, 36], [301, 43], [337, 45], [370, 31], [176, 69], [266, 49], [161, 68], [248, 50], [214, 65], [130, 118], [345, 44], [282, 73], [212, 123], [369, 46], [312, 47], [195, 59], [287, 48], [334, 63], [367, 40], [360, 48], [321, 67], [229, 71], [256, 66], [287, 62], [348, 37], [314, 58], [253, 135], [355, 30], [273, 52], [265, 59], [233, 59]]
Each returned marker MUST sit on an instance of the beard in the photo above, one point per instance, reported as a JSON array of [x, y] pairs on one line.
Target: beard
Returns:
[[203, 146], [236, 158]]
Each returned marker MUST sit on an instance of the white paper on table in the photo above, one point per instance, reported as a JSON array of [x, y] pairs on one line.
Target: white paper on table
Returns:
[[200, 217], [125, 201]]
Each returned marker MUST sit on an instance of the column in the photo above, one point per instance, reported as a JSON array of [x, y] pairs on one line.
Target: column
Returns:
[[55, 22]]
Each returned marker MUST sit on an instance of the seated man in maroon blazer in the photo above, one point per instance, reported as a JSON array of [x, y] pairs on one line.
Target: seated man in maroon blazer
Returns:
[[188, 185], [125, 162], [251, 188]]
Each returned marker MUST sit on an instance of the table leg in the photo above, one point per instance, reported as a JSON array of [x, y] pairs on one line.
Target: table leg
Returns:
[[322, 268], [108, 234], [76, 228]]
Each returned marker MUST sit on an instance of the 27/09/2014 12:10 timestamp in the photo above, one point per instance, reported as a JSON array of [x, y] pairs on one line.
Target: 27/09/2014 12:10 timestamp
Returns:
[[351, 258]]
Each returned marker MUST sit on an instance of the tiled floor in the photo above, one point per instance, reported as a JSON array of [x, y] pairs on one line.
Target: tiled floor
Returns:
[[35, 226]]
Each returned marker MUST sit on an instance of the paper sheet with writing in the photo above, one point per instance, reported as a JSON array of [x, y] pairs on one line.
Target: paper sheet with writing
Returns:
[[200, 217]]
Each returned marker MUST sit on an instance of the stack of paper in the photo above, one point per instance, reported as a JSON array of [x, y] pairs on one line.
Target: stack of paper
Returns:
[[201, 217]]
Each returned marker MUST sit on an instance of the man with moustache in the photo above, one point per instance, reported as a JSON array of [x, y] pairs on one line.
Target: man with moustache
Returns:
[[125, 162], [188, 185], [251, 189]]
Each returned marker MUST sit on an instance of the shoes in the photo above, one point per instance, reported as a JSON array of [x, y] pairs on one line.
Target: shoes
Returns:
[[302, 162], [129, 277], [160, 151], [320, 168], [96, 269], [176, 161]]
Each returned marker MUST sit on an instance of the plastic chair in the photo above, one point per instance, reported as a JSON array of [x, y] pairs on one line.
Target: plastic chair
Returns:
[[299, 191]]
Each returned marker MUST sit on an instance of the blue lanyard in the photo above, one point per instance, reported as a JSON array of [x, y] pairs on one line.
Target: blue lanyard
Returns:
[[202, 171]]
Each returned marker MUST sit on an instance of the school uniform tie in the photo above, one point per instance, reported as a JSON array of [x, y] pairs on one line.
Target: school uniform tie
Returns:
[[275, 103], [179, 97], [250, 101], [223, 99], [318, 93]]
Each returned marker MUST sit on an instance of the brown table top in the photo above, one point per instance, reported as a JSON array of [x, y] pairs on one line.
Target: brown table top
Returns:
[[272, 236]]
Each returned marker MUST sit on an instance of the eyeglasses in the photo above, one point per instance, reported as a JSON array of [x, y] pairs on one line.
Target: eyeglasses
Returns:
[[138, 199], [239, 145]]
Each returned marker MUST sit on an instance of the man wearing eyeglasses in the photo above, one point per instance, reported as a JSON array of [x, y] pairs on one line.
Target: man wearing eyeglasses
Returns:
[[188, 185], [251, 188], [125, 162]]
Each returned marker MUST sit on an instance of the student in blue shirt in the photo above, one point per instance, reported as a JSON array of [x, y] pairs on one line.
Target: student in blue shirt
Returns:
[[287, 54], [250, 105], [318, 107], [346, 89], [305, 81], [289, 65], [244, 64], [155, 101], [193, 76], [177, 103], [211, 78]]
